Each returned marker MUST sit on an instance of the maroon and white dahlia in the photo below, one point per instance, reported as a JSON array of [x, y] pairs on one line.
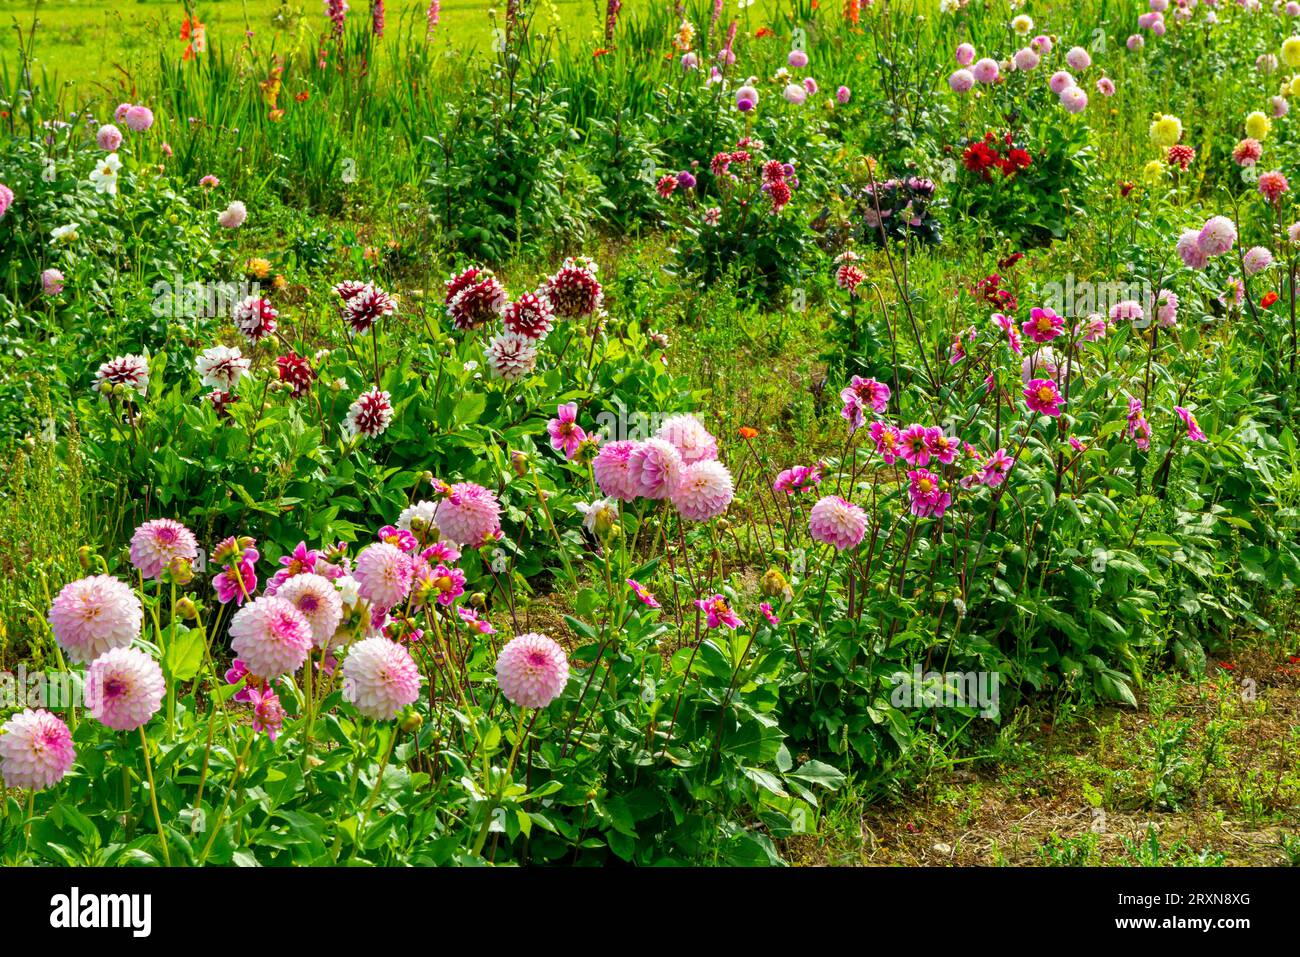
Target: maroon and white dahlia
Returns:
[[511, 356], [255, 317], [370, 415], [129, 371], [574, 291], [530, 316], [368, 306]]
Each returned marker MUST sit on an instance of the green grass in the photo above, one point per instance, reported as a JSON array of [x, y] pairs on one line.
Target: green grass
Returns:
[[109, 43]]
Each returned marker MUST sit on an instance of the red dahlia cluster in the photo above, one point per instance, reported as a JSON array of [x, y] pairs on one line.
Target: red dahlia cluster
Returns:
[[989, 290], [984, 156]]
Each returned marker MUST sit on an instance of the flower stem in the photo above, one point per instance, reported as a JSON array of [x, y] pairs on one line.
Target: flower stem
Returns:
[[153, 798]]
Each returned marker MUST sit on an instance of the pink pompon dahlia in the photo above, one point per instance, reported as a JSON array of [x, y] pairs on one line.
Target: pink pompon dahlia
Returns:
[[380, 678], [93, 615], [124, 688], [837, 521], [704, 491], [271, 636], [35, 750], [566, 434], [383, 573], [656, 467], [157, 544], [611, 469], [319, 602], [1272, 185], [718, 613], [469, 515], [1189, 250], [532, 671], [689, 437]]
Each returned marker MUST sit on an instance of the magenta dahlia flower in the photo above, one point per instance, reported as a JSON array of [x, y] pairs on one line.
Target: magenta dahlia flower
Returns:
[[689, 437], [93, 615], [124, 688], [380, 678], [798, 478], [35, 750], [646, 596], [271, 637], [532, 671], [566, 434], [718, 613], [914, 445], [158, 543], [888, 441], [1041, 396], [704, 491], [926, 495], [1193, 429], [469, 515], [837, 521], [996, 469], [1043, 325]]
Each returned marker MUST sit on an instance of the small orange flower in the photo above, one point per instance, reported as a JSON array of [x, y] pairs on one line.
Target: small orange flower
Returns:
[[599, 52], [747, 433], [1268, 300], [764, 32], [301, 97]]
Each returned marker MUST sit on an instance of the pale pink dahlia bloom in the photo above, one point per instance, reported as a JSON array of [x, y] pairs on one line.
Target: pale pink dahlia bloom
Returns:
[[704, 491], [233, 216], [380, 678], [138, 118], [532, 671], [1217, 236], [689, 437], [837, 521], [469, 515], [158, 543], [124, 688], [610, 466], [271, 636], [1189, 250], [656, 467], [318, 600], [383, 573], [35, 750], [1256, 259], [93, 615]]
